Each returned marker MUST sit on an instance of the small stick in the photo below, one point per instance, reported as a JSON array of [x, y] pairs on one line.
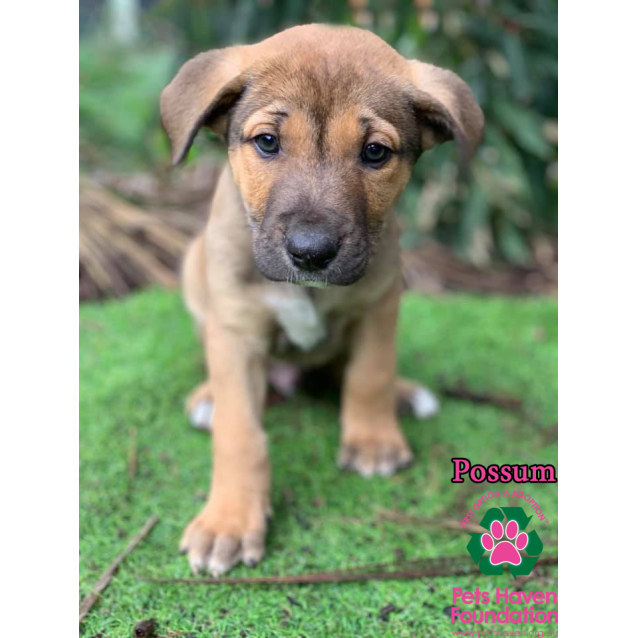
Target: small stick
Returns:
[[505, 401], [334, 577], [445, 523], [105, 578]]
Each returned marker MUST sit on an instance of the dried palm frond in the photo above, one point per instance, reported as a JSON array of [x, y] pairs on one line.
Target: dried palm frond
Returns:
[[123, 246]]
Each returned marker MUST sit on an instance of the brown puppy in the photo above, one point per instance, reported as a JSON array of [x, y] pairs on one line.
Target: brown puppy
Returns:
[[299, 261]]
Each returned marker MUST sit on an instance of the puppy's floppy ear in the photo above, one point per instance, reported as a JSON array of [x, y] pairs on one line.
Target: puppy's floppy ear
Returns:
[[446, 109], [201, 94]]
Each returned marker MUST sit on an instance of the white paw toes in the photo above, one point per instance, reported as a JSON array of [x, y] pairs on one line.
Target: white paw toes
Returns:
[[370, 459], [219, 553], [225, 555], [424, 403], [201, 416]]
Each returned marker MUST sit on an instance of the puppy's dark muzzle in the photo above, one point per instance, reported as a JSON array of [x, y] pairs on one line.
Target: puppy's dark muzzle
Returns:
[[311, 248]]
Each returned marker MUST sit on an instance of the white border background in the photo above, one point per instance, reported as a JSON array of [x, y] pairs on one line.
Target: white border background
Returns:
[[39, 318], [598, 353], [598, 316]]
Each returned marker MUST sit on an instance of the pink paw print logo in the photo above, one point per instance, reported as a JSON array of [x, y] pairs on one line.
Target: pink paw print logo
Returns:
[[504, 551], [505, 543]]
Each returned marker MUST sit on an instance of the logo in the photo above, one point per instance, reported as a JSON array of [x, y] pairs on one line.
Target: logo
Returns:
[[505, 543]]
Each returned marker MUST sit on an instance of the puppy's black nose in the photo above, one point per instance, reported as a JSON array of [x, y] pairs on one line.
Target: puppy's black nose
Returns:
[[311, 248]]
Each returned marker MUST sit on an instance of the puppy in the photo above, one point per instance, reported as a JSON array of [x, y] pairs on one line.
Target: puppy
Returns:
[[299, 261]]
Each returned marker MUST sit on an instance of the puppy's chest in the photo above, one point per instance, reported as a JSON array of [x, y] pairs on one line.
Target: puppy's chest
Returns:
[[306, 323]]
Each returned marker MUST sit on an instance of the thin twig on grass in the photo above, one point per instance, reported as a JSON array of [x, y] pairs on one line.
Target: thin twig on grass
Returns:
[[444, 523], [501, 400], [105, 578], [344, 576]]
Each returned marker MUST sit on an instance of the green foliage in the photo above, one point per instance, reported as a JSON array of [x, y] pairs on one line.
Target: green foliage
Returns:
[[507, 52], [119, 119], [139, 359], [505, 49]]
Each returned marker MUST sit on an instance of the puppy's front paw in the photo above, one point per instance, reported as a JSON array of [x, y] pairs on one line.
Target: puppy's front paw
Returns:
[[383, 452], [221, 536]]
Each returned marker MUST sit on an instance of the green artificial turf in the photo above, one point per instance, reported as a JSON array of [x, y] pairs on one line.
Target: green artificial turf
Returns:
[[138, 360]]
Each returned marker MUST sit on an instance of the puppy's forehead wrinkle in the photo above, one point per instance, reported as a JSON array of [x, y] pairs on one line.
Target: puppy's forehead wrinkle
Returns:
[[323, 88], [272, 115]]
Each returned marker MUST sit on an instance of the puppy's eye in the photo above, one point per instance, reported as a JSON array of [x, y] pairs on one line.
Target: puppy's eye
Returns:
[[375, 154], [267, 144]]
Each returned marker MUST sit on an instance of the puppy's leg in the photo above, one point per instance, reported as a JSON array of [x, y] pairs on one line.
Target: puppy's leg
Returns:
[[232, 525], [415, 399], [194, 282], [199, 404], [371, 440]]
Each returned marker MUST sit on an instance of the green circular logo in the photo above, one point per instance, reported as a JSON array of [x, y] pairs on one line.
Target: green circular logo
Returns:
[[505, 543]]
